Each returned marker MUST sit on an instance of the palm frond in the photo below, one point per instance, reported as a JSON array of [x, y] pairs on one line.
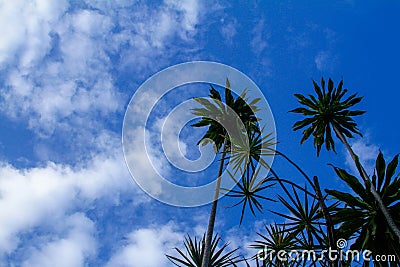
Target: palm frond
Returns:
[[360, 217], [249, 191], [192, 255], [325, 112]]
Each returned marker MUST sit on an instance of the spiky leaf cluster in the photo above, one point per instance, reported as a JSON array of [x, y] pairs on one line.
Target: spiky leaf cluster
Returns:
[[325, 112]]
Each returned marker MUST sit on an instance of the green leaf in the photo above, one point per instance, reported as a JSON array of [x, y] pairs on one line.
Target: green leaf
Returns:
[[194, 251], [303, 123], [352, 181], [306, 134], [346, 197], [317, 89], [391, 168], [229, 100], [215, 94], [380, 169], [355, 112], [330, 85]]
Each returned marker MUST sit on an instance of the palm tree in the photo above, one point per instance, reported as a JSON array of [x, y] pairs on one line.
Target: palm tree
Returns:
[[211, 115], [329, 111], [193, 257], [362, 218]]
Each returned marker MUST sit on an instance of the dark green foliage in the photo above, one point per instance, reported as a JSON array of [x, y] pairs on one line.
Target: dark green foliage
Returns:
[[214, 111], [249, 191], [304, 228], [326, 112], [248, 152], [357, 214], [361, 218], [250, 186], [192, 256], [304, 216], [277, 238]]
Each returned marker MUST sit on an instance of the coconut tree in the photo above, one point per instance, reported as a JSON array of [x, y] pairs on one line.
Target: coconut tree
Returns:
[[217, 116], [330, 112], [361, 218]]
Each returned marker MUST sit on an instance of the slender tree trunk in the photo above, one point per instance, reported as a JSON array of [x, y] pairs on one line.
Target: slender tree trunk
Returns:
[[328, 220], [213, 212], [367, 183]]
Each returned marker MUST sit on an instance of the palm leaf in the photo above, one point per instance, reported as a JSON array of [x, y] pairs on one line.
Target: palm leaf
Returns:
[[325, 112]]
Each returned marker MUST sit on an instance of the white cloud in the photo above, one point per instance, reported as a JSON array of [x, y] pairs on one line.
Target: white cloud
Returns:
[[322, 60], [153, 35], [326, 60], [260, 38], [59, 62], [69, 250], [147, 247], [228, 31], [259, 43], [242, 239], [191, 12], [31, 196], [25, 28], [146, 163], [65, 75]]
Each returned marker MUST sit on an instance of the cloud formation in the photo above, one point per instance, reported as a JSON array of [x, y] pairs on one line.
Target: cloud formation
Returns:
[[33, 196], [147, 247], [60, 61], [70, 249], [62, 66]]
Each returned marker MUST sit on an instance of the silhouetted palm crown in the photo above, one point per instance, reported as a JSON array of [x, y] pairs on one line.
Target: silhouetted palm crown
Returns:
[[326, 112], [192, 256], [215, 109]]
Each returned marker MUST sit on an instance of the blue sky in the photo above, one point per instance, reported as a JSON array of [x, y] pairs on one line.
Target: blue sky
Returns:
[[69, 69]]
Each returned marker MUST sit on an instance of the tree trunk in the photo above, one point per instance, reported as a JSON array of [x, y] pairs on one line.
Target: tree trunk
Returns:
[[367, 183], [328, 220], [213, 212]]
